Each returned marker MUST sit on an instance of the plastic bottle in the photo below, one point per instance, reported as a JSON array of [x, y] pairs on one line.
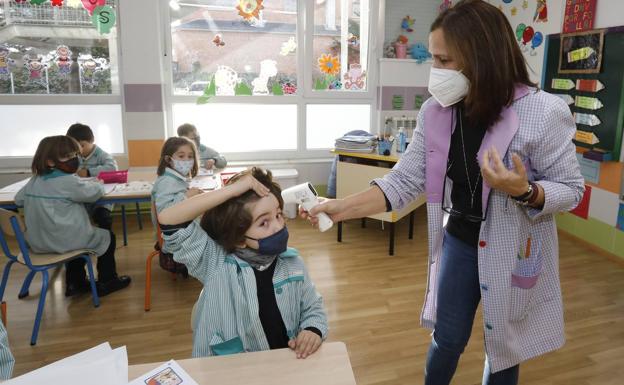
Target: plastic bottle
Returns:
[[401, 140]]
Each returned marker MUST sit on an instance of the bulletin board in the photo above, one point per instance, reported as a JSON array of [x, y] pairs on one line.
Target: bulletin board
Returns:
[[599, 112]]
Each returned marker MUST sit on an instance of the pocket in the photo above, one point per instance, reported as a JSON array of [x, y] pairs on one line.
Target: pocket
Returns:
[[524, 278], [231, 346]]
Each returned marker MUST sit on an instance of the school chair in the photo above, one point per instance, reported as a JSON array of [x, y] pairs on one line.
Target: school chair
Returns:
[[148, 266], [12, 226]]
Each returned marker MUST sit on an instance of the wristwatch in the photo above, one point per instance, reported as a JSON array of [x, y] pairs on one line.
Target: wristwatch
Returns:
[[524, 198]]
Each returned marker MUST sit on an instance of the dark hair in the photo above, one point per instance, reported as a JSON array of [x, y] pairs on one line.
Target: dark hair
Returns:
[[186, 129], [169, 148], [80, 132], [52, 148], [484, 45], [228, 222]]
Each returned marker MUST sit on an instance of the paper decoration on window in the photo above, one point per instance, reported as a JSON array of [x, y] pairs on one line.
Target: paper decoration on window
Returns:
[[446, 4], [35, 66], [519, 31], [268, 68], [527, 36], [335, 85], [541, 12], [6, 63], [73, 3], [586, 119], [242, 89], [218, 40], [355, 78], [89, 66], [566, 98], [562, 84], [586, 137], [397, 102], [249, 9], [407, 24], [538, 39], [589, 85], [514, 11], [289, 46], [321, 84], [37, 2], [418, 101], [329, 64], [588, 103], [353, 40], [289, 88], [91, 5], [525, 4], [225, 80], [580, 54], [103, 18], [209, 92], [57, 3], [276, 89], [63, 60]]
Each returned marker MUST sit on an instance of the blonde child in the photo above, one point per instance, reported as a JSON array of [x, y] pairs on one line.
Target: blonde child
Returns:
[[257, 293], [178, 164], [209, 158], [57, 220], [93, 160]]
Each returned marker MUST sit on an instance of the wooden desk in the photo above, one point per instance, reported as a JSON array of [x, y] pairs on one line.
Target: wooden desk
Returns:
[[354, 173], [330, 365]]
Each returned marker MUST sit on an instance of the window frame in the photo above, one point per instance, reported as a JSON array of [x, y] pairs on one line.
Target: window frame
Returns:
[[305, 94], [19, 162]]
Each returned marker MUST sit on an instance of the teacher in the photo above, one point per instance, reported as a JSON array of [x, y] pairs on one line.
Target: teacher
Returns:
[[495, 158]]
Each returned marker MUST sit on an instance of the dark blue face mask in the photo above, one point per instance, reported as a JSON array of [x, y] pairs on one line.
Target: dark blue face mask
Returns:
[[273, 244]]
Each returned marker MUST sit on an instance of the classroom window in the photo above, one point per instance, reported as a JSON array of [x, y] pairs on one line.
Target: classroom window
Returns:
[[25, 134], [326, 122], [340, 45], [46, 49], [241, 127], [228, 51]]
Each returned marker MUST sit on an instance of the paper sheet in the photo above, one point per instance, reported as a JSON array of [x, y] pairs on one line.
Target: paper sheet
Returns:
[[169, 373]]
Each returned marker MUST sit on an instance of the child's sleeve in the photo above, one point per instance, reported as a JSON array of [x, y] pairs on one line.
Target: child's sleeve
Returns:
[[167, 194], [19, 197], [6, 357], [192, 246], [105, 163], [210, 153], [83, 191], [312, 311]]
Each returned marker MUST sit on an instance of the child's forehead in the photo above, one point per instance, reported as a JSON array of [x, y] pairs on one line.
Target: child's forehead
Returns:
[[263, 205]]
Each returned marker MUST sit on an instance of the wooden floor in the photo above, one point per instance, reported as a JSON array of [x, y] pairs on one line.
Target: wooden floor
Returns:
[[373, 302]]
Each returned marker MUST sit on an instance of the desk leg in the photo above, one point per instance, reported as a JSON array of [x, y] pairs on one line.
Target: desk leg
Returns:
[[339, 231], [124, 225], [363, 223], [138, 214], [411, 225], [391, 250]]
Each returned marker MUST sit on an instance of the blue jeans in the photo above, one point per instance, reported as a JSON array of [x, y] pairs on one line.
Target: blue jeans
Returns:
[[458, 298]]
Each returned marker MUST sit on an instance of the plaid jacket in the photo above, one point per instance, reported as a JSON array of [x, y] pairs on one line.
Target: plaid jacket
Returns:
[[520, 288]]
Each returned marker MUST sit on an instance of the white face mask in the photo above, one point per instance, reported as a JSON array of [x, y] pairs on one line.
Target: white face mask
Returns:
[[448, 86], [183, 166]]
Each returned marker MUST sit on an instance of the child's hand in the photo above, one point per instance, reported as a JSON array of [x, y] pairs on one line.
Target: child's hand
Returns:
[[247, 183], [82, 172], [192, 192], [305, 344]]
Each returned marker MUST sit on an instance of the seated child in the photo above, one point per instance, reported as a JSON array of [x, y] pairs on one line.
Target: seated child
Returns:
[[208, 157], [57, 221], [93, 160], [6, 357], [257, 293], [177, 165]]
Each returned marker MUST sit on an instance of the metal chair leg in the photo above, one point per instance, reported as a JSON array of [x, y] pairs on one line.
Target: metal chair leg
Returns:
[[94, 294], [42, 297], [5, 278], [26, 285], [148, 280], [124, 225]]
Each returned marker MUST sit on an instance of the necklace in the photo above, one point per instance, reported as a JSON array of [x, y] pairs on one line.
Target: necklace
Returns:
[[476, 184]]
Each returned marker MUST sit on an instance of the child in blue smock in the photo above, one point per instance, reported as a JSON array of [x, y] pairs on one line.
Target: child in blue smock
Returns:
[[177, 166], [57, 220], [209, 158], [93, 160], [257, 294]]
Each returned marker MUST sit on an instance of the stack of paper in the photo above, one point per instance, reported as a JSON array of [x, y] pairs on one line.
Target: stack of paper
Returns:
[[100, 365], [169, 373], [356, 143]]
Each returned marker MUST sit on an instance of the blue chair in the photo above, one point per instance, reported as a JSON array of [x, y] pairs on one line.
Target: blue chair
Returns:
[[12, 226]]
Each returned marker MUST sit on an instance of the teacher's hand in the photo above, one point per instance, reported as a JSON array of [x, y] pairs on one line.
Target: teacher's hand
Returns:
[[334, 208], [513, 182]]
